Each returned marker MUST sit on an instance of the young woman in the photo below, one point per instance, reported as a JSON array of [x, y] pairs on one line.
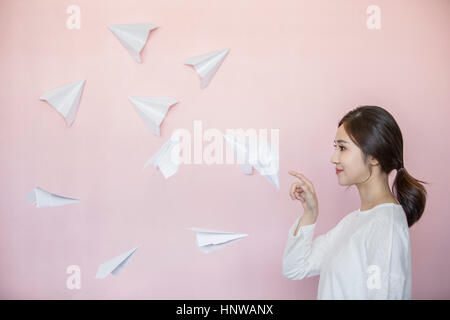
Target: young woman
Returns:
[[367, 254]]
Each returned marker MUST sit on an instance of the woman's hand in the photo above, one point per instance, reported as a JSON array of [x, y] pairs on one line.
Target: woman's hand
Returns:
[[304, 191]]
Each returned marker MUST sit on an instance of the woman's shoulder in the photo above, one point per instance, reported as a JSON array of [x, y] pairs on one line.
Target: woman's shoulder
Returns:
[[348, 218], [391, 214], [378, 218], [389, 226]]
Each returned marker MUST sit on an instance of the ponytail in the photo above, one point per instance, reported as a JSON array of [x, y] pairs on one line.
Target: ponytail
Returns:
[[411, 194]]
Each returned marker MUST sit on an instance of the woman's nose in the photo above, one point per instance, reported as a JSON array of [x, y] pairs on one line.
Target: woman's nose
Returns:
[[334, 158]]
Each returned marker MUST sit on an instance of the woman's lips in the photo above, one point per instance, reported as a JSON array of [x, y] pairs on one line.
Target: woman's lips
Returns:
[[338, 171]]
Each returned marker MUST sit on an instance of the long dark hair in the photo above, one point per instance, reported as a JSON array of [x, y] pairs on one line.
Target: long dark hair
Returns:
[[376, 133]]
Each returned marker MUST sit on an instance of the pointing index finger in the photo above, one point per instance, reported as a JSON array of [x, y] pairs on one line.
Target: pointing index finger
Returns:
[[302, 178], [295, 174]]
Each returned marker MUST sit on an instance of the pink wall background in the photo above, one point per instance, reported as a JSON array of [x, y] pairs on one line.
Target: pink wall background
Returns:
[[298, 66]]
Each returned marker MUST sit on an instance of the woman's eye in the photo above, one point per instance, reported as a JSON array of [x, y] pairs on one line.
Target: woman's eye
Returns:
[[339, 147]]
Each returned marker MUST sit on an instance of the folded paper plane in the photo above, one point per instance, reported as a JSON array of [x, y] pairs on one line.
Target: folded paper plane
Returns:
[[265, 157], [207, 64], [65, 99], [167, 159], [239, 146], [41, 198], [268, 165], [115, 265], [133, 36], [152, 110], [211, 240]]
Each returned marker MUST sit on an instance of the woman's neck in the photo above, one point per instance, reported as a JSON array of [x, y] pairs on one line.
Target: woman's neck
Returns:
[[375, 192]]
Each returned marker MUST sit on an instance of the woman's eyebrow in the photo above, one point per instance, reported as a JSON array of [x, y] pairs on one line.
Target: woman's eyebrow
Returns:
[[340, 140]]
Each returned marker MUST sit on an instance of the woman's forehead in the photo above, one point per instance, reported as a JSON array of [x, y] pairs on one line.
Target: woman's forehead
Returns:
[[342, 136]]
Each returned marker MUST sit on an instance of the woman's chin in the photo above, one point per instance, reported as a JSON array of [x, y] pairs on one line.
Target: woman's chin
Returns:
[[342, 182]]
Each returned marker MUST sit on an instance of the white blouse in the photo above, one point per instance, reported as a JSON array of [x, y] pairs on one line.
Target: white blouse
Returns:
[[367, 255]]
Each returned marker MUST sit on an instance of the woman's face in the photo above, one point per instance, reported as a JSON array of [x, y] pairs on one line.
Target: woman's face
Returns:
[[349, 158]]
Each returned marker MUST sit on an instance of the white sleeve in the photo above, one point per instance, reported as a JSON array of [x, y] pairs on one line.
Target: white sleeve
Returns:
[[388, 261], [303, 257]]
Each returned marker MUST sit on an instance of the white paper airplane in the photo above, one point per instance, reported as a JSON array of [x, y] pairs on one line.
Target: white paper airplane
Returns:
[[115, 265], [239, 146], [133, 36], [268, 163], [167, 159], [152, 110], [41, 198], [66, 99], [265, 160], [207, 64], [211, 240]]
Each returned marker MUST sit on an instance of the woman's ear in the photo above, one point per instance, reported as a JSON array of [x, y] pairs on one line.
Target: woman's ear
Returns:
[[373, 161]]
